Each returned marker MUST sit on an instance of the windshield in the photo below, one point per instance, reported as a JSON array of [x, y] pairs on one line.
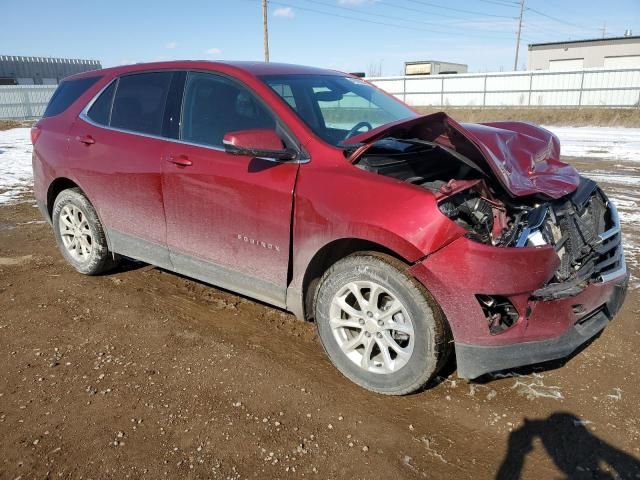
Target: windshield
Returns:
[[337, 108]]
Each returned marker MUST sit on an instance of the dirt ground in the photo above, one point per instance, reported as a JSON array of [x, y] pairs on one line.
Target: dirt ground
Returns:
[[567, 117], [146, 374], [9, 124]]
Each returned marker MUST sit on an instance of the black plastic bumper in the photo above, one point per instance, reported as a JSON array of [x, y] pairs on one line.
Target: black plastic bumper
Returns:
[[476, 360]]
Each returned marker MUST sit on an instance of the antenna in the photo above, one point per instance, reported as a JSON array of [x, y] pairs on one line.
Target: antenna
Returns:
[[604, 29]]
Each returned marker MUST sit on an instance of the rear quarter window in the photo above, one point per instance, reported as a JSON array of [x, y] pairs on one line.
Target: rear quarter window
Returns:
[[68, 92], [100, 111]]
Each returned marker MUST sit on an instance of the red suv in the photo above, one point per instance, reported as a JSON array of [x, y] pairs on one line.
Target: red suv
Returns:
[[403, 236]]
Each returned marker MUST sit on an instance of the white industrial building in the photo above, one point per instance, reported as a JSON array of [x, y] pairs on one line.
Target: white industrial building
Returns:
[[433, 67], [16, 70], [618, 52]]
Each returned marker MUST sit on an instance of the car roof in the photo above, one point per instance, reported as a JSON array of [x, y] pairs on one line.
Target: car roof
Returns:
[[252, 68]]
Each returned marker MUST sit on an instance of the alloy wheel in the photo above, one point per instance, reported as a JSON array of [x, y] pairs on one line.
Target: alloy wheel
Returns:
[[372, 327], [75, 233]]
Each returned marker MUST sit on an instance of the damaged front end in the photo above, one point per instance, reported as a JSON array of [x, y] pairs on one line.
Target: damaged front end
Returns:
[[539, 267], [505, 185], [583, 228]]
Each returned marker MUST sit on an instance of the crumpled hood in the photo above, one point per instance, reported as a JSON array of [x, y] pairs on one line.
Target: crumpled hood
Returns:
[[523, 157]]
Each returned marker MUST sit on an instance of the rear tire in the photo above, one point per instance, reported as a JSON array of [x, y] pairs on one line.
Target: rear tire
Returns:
[[79, 233], [393, 343]]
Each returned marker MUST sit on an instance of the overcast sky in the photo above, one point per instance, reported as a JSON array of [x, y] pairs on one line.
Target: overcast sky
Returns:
[[349, 35]]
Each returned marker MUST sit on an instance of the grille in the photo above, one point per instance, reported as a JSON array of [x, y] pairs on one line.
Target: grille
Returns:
[[611, 262], [580, 230], [588, 240]]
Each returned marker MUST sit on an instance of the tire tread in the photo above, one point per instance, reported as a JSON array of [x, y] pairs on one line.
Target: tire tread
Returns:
[[441, 338], [104, 260]]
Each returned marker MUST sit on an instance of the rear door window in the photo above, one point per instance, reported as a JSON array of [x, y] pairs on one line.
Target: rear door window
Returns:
[[68, 92], [214, 105], [140, 101]]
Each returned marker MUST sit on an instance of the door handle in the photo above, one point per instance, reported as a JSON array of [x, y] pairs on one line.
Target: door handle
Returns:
[[180, 160], [86, 139]]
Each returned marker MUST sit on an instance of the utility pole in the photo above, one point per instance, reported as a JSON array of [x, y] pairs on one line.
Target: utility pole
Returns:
[[604, 29], [265, 27], [515, 63]]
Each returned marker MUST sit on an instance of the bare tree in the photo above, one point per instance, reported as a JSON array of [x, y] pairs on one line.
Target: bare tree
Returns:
[[374, 69]]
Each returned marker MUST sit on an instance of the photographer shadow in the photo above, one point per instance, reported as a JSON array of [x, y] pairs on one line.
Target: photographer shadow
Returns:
[[577, 453]]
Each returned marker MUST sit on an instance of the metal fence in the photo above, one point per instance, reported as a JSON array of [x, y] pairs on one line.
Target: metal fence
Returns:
[[23, 102], [580, 88]]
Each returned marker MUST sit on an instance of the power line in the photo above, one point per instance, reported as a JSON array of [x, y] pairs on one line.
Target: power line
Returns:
[[504, 3], [379, 15], [363, 12], [414, 22], [529, 25], [347, 17], [375, 22], [444, 15], [554, 18], [435, 5]]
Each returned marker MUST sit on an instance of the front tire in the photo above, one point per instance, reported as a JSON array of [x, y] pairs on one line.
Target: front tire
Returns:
[[379, 326], [79, 233]]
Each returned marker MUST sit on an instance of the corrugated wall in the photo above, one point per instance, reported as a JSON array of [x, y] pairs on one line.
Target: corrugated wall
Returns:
[[39, 70]]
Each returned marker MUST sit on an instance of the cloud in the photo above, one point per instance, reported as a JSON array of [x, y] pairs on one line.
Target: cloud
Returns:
[[285, 12], [171, 45], [213, 51]]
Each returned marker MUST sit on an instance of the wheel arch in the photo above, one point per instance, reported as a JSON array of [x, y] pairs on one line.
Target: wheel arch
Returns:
[[57, 186], [64, 183], [329, 254]]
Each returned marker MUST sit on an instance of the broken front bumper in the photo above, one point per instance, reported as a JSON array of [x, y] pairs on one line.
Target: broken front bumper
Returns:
[[546, 328], [476, 360]]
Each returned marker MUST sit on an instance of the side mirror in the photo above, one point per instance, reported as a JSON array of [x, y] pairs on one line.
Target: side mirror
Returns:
[[258, 143]]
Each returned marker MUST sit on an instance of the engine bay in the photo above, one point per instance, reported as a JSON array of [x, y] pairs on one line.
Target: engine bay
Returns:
[[473, 198]]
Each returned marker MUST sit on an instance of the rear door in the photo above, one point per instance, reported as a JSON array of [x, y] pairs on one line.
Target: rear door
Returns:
[[51, 150], [228, 216], [116, 152]]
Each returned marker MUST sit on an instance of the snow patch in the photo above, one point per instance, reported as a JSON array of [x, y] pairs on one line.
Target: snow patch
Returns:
[[614, 178], [16, 173], [535, 389], [617, 394], [599, 142]]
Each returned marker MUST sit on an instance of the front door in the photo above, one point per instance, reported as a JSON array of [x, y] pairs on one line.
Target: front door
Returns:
[[228, 216]]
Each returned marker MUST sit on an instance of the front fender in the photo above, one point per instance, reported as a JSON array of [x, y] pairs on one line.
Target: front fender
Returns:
[[345, 202]]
